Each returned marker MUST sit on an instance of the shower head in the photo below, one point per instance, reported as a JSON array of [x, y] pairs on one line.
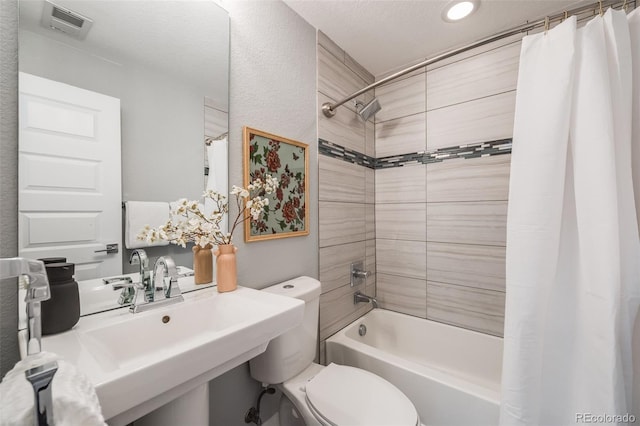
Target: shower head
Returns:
[[369, 110]]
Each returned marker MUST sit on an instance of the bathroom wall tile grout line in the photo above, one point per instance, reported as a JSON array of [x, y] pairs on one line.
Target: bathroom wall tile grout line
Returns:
[[436, 241], [470, 100], [489, 290]]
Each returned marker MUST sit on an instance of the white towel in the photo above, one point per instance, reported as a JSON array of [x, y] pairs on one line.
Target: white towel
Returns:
[[74, 399], [139, 214]]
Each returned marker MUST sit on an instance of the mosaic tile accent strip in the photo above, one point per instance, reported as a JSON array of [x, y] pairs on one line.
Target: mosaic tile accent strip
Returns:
[[334, 150], [475, 150]]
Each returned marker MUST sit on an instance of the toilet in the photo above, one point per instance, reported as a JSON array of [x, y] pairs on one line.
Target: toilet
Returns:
[[313, 394]]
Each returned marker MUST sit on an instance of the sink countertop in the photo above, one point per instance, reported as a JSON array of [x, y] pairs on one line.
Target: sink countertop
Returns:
[[132, 359]]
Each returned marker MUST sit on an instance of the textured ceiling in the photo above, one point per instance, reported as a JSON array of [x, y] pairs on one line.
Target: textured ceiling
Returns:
[[384, 35], [185, 38]]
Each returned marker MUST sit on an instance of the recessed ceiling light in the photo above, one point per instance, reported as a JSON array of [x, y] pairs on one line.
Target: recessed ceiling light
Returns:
[[457, 9]]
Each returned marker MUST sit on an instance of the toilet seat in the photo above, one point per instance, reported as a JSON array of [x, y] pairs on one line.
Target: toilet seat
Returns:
[[340, 395]]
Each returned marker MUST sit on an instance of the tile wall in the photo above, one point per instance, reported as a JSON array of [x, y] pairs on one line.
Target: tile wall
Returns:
[[441, 211], [346, 190]]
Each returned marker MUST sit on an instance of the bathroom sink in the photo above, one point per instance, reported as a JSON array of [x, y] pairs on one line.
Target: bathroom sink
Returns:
[[138, 362]]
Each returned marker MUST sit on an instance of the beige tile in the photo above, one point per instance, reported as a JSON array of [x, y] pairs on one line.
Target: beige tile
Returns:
[[480, 120], [341, 223], [475, 179], [370, 139], [401, 221], [337, 310], [370, 221], [358, 69], [401, 98], [477, 51], [402, 294], [371, 286], [477, 77], [482, 222], [370, 263], [401, 135], [401, 184], [402, 68], [402, 258], [369, 185], [336, 80], [345, 128], [335, 264], [330, 46], [468, 265], [340, 180], [475, 309]]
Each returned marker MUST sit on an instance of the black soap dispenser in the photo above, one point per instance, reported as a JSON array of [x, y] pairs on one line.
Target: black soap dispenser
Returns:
[[62, 311]]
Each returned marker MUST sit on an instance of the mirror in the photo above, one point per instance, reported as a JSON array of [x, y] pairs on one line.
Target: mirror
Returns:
[[151, 76]]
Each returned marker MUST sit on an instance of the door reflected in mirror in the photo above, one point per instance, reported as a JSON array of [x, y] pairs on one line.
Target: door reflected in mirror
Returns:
[[133, 109]]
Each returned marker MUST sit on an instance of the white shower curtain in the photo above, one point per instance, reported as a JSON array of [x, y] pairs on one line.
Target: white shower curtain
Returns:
[[573, 248]]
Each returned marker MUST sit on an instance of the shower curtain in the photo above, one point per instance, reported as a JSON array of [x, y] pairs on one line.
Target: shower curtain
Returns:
[[573, 248]]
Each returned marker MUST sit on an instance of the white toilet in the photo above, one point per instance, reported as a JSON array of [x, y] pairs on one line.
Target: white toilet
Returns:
[[318, 395]]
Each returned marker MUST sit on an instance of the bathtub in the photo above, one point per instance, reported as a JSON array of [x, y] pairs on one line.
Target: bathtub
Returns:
[[452, 375]]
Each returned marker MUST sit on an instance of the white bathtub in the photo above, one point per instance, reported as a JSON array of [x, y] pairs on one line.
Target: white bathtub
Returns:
[[451, 375]]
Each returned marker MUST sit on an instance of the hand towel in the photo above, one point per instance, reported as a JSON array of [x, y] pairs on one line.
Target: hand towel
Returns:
[[138, 214], [75, 402]]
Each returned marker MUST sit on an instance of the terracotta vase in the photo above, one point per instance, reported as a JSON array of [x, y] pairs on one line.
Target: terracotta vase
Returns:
[[202, 264], [226, 271]]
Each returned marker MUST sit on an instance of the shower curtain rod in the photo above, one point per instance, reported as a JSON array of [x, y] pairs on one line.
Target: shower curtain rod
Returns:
[[329, 109]]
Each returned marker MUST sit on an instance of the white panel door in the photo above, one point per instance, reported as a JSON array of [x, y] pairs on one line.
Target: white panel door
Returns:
[[69, 176]]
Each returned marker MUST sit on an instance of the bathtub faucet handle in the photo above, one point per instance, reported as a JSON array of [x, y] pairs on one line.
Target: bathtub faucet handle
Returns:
[[358, 274]]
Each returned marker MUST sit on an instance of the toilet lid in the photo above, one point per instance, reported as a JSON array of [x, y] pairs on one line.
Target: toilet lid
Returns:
[[344, 395]]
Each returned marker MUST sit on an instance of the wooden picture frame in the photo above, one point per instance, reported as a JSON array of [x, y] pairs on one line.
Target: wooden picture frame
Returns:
[[287, 214]]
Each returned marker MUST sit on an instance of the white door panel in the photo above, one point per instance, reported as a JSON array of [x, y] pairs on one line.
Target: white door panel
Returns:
[[69, 175]]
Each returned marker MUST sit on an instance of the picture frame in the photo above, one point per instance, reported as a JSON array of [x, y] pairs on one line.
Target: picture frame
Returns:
[[287, 160]]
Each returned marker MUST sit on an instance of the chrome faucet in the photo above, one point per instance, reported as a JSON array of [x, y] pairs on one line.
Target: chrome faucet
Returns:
[[163, 269], [164, 272], [37, 291], [358, 274], [360, 297], [139, 257]]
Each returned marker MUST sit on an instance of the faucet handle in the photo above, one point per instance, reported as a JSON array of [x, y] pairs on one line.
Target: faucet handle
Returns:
[[129, 289], [358, 274], [165, 268], [34, 270]]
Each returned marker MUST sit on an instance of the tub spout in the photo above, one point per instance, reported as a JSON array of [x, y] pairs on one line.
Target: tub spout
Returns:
[[360, 297]]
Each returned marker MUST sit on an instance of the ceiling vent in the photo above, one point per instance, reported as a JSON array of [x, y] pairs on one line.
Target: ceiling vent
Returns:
[[65, 20]]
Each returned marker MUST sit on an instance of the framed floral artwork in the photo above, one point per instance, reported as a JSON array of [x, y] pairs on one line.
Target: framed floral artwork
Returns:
[[287, 213]]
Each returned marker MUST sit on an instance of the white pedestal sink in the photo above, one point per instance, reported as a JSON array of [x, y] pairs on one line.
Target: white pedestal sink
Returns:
[[139, 362]]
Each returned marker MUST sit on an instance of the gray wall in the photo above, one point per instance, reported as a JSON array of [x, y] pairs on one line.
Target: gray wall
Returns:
[[8, 178], [273, 88]]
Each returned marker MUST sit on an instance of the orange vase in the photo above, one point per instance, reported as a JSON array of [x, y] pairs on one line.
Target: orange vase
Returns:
[[202, 264], [226, 272]]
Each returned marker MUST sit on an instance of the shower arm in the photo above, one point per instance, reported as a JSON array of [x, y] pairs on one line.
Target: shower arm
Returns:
[[329, 109]]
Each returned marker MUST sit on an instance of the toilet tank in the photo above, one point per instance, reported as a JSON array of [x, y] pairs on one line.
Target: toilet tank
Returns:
[[289, 354]]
